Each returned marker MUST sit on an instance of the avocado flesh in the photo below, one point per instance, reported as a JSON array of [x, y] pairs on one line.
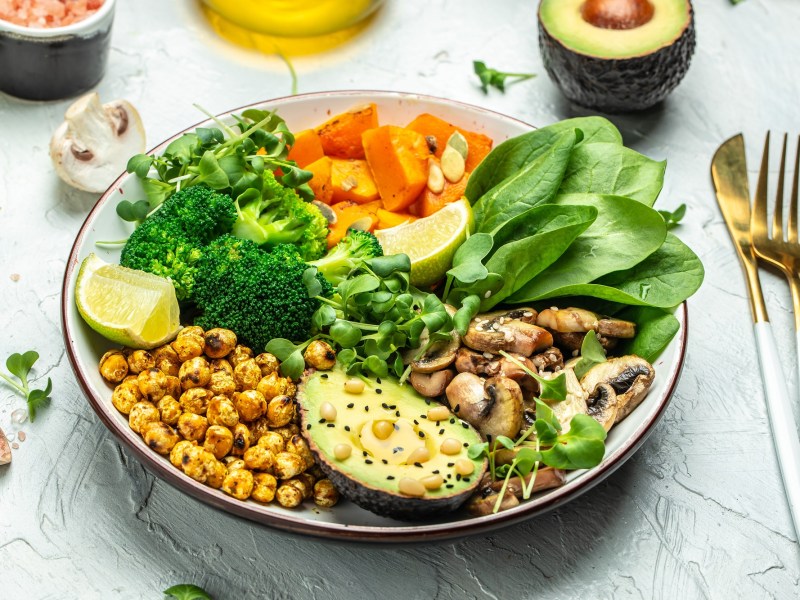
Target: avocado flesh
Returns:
[[616, 70], [370, 476]]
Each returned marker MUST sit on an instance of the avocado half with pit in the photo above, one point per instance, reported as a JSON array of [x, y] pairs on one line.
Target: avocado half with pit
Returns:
[[382, 449], [616, 55]]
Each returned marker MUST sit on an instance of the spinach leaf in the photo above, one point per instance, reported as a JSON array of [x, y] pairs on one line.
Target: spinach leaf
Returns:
[[535, 183], [513, 154], [602, 168], [654, 330], [624, 233]]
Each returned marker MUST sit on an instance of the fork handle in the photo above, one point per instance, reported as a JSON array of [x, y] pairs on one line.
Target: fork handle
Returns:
[[779, 409]]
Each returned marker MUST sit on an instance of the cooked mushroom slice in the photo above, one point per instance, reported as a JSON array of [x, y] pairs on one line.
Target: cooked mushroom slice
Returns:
[[572, 342], [479, 363], [616, 328], [493, 406], [569, 324], [575, 402], [431, 385], [630, 377], [603, 405], [546, 478], [479, 506], [440, 355], [567, 320], [549, 360], [92, 146], [512, 331]]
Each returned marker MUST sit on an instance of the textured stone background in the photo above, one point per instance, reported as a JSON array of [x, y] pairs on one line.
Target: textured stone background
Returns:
[[697, 513]]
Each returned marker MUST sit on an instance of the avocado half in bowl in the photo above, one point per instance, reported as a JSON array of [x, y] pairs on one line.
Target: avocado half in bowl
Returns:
[[616, 55]]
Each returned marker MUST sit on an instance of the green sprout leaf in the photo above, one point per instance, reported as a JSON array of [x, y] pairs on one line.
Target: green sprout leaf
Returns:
[[497, 79], [674, 218], [187, 591], [140, 165], [592, 354], [133, 212], [582, 447], [19, 366]]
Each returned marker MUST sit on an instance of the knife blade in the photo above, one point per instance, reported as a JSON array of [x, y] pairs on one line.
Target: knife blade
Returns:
[[729, 174]]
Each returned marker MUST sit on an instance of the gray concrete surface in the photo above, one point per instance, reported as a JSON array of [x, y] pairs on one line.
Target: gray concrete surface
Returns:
[[697, 513]]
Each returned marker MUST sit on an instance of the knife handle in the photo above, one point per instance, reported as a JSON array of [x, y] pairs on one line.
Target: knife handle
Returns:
[[781, 419]]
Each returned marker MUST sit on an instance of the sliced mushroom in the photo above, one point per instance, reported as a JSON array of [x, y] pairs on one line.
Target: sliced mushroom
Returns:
[[579, 320], [441, 354], [479, 506], [575, 402], [512, 331], [603, 405], [549, 360], [546, 478], [433, 384], [630, 377], [469, 361], [5, 449], [572, 342], [91, 148], [493, 406]]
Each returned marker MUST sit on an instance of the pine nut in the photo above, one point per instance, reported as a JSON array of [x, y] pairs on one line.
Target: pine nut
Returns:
[[464, 466], [382, 429], [354, 386], [440, 413], [432, 482], [450, 446], [420, 455], [435, 177], [342, 451], [327, 411], [411, 487]]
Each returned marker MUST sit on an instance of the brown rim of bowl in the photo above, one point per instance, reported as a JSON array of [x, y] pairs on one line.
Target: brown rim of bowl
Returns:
[[336, 531]]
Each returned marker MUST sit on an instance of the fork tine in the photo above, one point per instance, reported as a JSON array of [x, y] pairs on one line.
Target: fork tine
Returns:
[[758, 220], [793, 202], [777, 215]]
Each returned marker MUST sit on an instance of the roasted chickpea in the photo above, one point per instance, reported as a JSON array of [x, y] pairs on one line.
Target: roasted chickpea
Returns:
[[258, 428], [325, 494], [288, 495], [305, 488], [195, 400], [288, 431], [219, 342], [170, 410], [259, 458], [239, 354], [297, 445], [221, 364], [141, 414], [238, 484], [272, 440], [221, 411], [160, 437], [246, 375], [173, 387], [192, 426], [125, 395], [320, 355], [241, 439], [153, 384], [232, 463], [190, 343], [316, 472], [140, 360], [194, 373], [199, 463], [250, 405], [268, 363], [219, 440], [287, 465], [280, 411], [216, 473], [114, 366], [167, 360], [179, 450], [133, 378], [264, 486], [221, 384], [271, 385]]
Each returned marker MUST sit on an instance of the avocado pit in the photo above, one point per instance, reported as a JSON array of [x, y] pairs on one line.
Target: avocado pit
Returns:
[[617, 14]]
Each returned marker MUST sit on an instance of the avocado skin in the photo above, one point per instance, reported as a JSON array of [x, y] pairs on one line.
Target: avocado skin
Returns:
[[382, 501], [618, 85]]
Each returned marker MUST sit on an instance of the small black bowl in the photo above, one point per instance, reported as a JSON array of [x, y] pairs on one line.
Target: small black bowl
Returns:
[[58, 62]]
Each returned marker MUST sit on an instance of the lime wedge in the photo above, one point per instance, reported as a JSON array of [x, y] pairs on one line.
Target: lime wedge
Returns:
[[130, 307], [430, 242]]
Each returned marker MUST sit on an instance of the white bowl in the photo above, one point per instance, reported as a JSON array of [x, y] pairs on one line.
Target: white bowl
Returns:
[[346, 520]]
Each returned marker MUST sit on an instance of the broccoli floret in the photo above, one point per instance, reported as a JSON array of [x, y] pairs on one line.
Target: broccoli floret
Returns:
[[169, 242], [348, 255], [280, 216], [259, 295]]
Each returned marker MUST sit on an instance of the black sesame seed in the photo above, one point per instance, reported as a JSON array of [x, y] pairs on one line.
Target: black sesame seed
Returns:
[[367, 461], [392, 406], [416, 422], [366, 408], [390, 477], [397, 449], [448, 485], [465, 479], [384, 405], [418, 464], [465, 426], [423, 416], [441, 432], [364, 452], [347, 427], [351, 405], [378, 379], [451, 464], [331, 425], [322, 420], [436, 472], [466, 445], [457, 408], [397, 413], [384, 461], [421, 434], [324, 375], [428, 402], [378, 391], [308, 426], [458, 477], [452, 421], [449, 476]]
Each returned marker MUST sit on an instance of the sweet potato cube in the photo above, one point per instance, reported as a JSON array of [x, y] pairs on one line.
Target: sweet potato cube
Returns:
[[348, 213], [428, 203], [398, 159], [387, 219], [321, 181], [351, 179], [478, 145], [340, 136], [306, 148]]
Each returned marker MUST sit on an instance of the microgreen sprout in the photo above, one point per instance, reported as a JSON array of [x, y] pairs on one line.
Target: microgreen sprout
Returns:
[[495, 78], [20, 365], [187, 591]]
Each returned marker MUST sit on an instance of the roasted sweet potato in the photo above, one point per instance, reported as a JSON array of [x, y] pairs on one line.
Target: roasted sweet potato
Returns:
[[349, 212], [398, 159], [428, 203], [387, 219], [321, 182], [478, 144], [351, 179], [306, 148], [340, 136]]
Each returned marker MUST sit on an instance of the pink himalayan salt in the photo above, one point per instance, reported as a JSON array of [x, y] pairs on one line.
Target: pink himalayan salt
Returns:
[[47, 13]]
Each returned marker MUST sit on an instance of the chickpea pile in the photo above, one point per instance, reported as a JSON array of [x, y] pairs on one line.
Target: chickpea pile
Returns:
[[226, 418]]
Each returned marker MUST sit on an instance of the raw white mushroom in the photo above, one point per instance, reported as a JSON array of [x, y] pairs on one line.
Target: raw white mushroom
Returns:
[[91, 148], [5, 449]]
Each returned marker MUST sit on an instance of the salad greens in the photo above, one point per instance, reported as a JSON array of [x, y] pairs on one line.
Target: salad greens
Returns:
[[187, 591], [20, 365]]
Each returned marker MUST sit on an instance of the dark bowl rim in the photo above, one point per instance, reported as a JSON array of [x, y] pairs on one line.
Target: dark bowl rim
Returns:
[[336, 531]]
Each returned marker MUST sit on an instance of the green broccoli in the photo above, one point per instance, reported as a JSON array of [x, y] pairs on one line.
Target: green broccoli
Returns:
[[348, 255], [169, 242], [280, 216], [259, 295]]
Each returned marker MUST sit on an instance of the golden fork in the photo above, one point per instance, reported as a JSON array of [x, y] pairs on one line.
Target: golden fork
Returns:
[[784, 253]]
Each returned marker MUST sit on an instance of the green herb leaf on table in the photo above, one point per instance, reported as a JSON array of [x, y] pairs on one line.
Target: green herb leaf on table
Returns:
[[497, 79], [673, 219], [19, 366], [187, 591]]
